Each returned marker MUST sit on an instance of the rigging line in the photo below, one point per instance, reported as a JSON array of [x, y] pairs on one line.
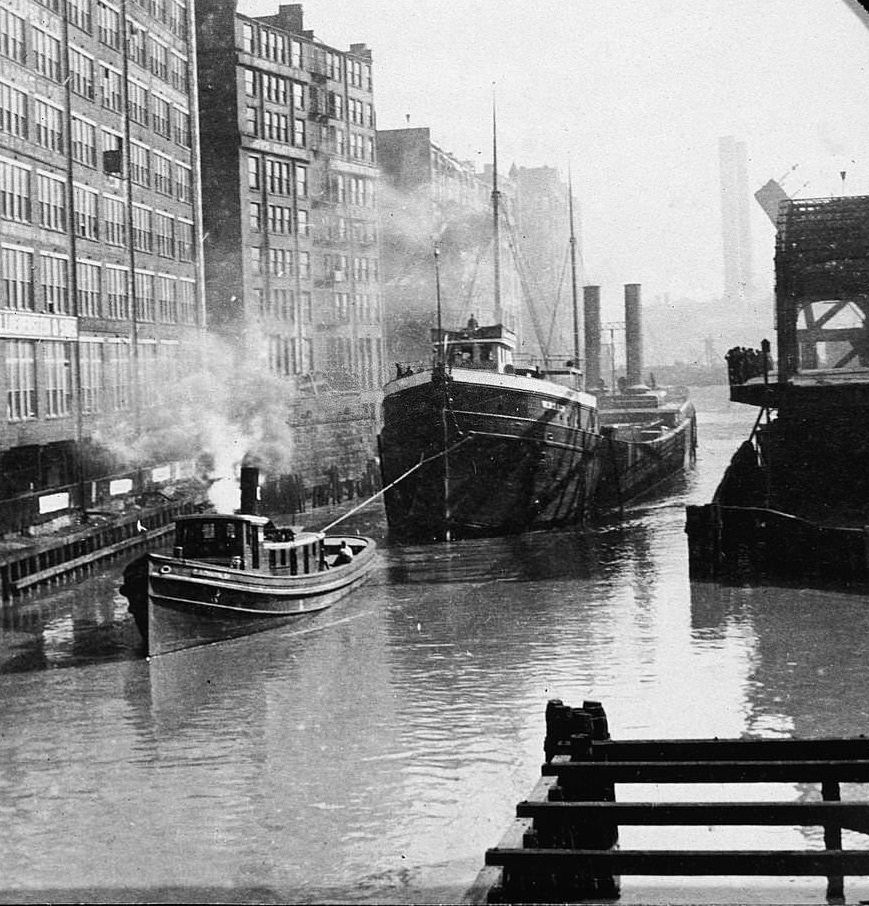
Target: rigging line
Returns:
[[392, 484], [558, 297]]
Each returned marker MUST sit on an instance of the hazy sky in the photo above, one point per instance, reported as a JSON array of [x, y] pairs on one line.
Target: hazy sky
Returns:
[[637, 96]]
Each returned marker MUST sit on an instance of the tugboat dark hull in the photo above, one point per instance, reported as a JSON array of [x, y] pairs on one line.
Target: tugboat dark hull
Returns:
[[487, 454]]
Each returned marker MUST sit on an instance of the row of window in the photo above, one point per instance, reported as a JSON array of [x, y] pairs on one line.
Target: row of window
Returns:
[[106, 376], [276, 46], [289, 355], [280, 304], [339, 268], [277, 177], [39, 120], [344, 189], [276, 126], [278, 220], [281, 263], [362, 307], [152, 55], [42, 283], [340, 229], [95, 216], [360, 114], [275, 89]]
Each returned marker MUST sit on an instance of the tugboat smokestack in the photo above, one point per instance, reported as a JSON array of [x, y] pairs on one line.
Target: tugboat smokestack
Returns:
[[633, 334], [591, 317], [250, 492]]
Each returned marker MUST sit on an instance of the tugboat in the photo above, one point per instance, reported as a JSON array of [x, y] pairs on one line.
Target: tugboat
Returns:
[[794, 502], [232, 575], [474, 445]]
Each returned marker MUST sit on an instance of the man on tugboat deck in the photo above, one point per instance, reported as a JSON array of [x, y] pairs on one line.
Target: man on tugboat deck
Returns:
[[345, 555]]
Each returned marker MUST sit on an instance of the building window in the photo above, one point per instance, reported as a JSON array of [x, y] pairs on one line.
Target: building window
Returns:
[[181, 127], [46, 54], [57, 379], [253, 172], [49, 125], [250, 83], [305, 265], [186, 301], [178, 72], [184, 240], [280, 219], [17, 278], [140, 165], [164, 235], [256, 262], [178, 19], [299, 132], [162, 174], [248, 38], [144, 296], [13, 111], [14, 192], [111, 89], [275, 89], [114, 220], [91, 362], [20, 358], [301, 181], [336, 106], [108, 25], [86, 212], [277, 126], [12, 36], [136, 44], [160, 117], [117, 368], [251, 120], [81, 71], [142, 235], [117, 300], [278, 178], [88, 280], [79, 13], [274, 46], [255, 217], [137, 102], [55, 284], [52, 203], [302, 222], [296, 54], [183, 183], [84, 142], [166, 301], [159, 55], [281, 262]]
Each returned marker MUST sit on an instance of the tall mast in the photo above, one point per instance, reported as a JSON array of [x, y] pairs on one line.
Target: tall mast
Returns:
[[573, 270], [496, 197]]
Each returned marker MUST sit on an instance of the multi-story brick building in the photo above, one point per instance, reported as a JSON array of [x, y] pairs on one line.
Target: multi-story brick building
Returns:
[[99, 233], [431, 198], [292, 250]]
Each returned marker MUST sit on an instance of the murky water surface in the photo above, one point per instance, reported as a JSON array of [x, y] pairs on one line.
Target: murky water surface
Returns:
[[374, 754]]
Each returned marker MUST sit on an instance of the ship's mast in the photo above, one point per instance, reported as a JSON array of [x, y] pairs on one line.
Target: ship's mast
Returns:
[[573, 270], [496, 197]]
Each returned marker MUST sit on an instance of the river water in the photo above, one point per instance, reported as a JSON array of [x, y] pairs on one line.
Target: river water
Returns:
[[373, 754]]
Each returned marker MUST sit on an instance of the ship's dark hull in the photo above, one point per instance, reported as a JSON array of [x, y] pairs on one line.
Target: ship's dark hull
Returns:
[[632, 468], [520, 455]]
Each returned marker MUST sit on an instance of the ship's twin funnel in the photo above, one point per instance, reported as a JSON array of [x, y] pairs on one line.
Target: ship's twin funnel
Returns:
[[633, 335]]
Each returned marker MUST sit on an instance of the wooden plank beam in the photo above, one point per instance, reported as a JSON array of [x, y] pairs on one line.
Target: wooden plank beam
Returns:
[[731, 749], [803, 771], [853, 815], [790, 863]]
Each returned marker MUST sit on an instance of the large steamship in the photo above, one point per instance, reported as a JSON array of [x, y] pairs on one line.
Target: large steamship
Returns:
[[479, 446]]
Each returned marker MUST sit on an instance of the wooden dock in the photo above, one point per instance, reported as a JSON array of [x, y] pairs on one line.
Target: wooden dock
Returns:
[[563, 845]]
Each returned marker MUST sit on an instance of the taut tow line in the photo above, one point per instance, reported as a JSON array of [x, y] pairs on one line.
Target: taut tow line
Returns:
[[392, 484]]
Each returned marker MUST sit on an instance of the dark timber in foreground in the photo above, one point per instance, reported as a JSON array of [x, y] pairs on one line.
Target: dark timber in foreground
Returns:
[[563, 846]]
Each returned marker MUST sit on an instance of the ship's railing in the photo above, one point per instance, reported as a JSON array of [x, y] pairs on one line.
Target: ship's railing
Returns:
[[745, 363]]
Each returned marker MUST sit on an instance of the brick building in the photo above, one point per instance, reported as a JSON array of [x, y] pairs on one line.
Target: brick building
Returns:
[[292, 250], [100, 303]]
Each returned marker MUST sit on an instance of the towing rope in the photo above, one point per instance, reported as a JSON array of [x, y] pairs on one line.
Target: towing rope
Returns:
[[392, 484]]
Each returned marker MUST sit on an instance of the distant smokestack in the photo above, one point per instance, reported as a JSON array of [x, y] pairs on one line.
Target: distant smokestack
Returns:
[[633, 334], [250, 492], [591, 318]]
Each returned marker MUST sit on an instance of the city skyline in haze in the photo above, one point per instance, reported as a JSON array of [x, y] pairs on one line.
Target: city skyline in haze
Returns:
[[636, 98]]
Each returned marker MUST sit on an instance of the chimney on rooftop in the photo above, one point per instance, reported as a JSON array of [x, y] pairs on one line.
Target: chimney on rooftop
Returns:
[[290, 17]]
